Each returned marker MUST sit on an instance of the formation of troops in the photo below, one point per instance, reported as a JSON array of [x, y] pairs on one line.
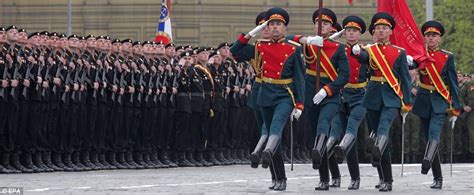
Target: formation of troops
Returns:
[[73, 103]]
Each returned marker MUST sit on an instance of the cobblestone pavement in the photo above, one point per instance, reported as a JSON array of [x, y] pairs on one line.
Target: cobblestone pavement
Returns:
[[237, 179]]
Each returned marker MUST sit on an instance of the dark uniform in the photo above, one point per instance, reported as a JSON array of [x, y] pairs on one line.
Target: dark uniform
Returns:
[[281, 91], [353, 112], [387, 92], [437, 94], [334, 72]]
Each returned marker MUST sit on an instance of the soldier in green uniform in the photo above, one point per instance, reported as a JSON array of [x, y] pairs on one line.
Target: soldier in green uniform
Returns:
[[282, 78], [437, 97]]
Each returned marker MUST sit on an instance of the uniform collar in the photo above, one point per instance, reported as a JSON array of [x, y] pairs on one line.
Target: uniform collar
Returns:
[[349, 45], [384, 43], [433, 50], [278, 40]]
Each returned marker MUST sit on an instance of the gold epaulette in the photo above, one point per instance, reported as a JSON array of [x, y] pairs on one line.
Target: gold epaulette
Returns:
[[448, 52], [263, 40], [294, 43]]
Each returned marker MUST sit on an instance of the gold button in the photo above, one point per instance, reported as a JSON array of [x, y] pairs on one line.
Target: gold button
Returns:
[[264, 62], [283, 43], [269, 44], [432, 54], [259, 44], [355, 78], [345, 48], [265, 72], [281, 63], [261, 53], [278, 73], [431, 91], [293, 48], [357, 68], [382, 82], [383, 47]]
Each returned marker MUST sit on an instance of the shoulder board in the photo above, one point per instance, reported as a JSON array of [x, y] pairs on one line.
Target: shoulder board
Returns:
[[294, 43], [447, 52], [263, 40], [398, 47]]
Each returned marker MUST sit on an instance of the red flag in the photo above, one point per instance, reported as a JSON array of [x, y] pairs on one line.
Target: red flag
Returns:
[[405, 34], [350, 1]]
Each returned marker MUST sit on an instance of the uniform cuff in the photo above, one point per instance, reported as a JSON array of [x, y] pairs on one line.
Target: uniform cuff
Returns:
[[243, 39], [406, 108], [328, 90], [299, 106]]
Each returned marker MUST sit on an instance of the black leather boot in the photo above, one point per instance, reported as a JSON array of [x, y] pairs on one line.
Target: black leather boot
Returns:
[[370, 142], [377, 151], [430, 152], [182, 161], [233, 154], [112, 159], [437, 183], [354, 185], [38, 162], [165, 159], [17, 164], [192, 160], [58, 161], [66, 159], [228, 156], [274, 182], [122, 159], [210, 157], [323, 186], [85, 159], [318, 150], [75, 158], [386, 187], [437, 175], [28, 159], [103, 160], [269, 150], [154, 157], [280, 185], [380, 184], [330, 144], [94, 158], [131, 161], [344, 147], [336, 183], [241, 155], [200, 159], [7, 163], [138, 158], [47, 160]]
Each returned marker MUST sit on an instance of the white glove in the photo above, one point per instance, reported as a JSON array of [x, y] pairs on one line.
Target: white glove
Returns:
[[296, 113], [257, 30], [337, 35], [319, 96], [410, 60], [316, 40], [356, 49], [452, 120]]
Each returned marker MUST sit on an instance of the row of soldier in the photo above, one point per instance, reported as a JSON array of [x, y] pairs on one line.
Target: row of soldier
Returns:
[[88, 103]]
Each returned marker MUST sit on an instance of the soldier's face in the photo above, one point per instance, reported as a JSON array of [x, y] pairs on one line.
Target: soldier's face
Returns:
[[179, 52], [188, 60], [382, 32], [91, 43], [137, 49], [326, 27], [352, 34], [277, 28], [203, 56], [170, 51], [126, 47], [432, 40], [160, 49], [12, 34], [148, 49], [73, 42], [54, 41], [23, 37], [225, 51], [3, 36], [63, 43], [217, 59], [116, 47]]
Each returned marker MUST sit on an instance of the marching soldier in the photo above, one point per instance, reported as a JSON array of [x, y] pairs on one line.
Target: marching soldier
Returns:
[[281, 90], [437, 94], [323, 104], [352, 95], [387, 94]]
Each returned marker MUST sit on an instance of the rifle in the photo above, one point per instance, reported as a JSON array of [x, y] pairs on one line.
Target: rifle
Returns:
[[46, 78], [96, 79], [158, 86], [140, 82], [114, 82], [227, 85], [175, 85], [4, 76], [75, 80], [150, 86], [121, 85], [66, 82], [24, 92]]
